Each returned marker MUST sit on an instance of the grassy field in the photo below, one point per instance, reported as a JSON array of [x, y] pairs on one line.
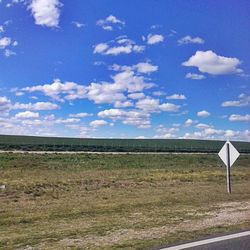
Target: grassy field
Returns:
[[33, 143], [85, 201]]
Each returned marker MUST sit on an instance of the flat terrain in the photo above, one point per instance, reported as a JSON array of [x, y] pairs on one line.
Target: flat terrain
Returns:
[[56, 144], [87, 201]]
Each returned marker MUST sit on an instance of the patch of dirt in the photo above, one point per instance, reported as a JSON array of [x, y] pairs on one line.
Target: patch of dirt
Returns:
[[226, 214]]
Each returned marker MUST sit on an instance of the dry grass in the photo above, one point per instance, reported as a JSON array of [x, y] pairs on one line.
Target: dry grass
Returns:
[[117, 201]]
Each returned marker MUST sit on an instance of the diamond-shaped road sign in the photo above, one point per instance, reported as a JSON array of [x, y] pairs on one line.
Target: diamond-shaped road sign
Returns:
[[233, 153]]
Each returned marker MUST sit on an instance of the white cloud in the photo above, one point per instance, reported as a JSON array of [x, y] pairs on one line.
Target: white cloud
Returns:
[[78, 24], [105, 93], [9, 53], [110, 22], [56, 90], [113, 19], [189, 39], [101, 48], [202, 126], [136, 95], [154, 38], [5, 42], [98, 123], [240, 118], [140, 137], [27, 115], [176, 97], [125, 82], [126, 48], [219, 134], [80, 115], [46, 12], [149, 104], [124, 104], [165, 133], [188, 122], [14, 43], [159, 93], [131, 117], [146, 67], [36, 106], [169, 107], [5, 105], [244, 100], [19, 93], [67, 120], [211, 63], [1, 29], [142, 67], [203, 113], [195, 76]]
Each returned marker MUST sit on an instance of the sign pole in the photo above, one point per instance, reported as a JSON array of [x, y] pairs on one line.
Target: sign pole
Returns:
[[228, 170]]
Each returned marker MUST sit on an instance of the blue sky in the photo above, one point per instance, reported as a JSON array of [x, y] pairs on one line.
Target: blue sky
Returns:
[[125, 69]]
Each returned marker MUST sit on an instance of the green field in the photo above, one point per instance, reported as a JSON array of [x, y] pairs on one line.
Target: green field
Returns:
[[32, 143], [87, 201]]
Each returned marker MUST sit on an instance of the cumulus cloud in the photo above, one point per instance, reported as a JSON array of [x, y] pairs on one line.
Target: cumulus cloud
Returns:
[[57, 90], [203, 113], [5, 42], [166, 133], [27, 115], [98, 123], [115, 92], [142, 67], [176, 97], [189, 39], [125, 81], [239, 118], [36, 106], [146, 67], [189, 122], [124, 104], [138, 95], [211, 63], [117, 47], [67, 120], [159, 93], [110, 22], [46, 12], [195, 76], [78, 24], [149, 104], [80, 115], [131, 117], [219, 134], [9, 53], [154, 38], [244, 100], [202, 126], [5, 105]]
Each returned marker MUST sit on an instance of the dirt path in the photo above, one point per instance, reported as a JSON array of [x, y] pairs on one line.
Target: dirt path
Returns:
[[229, 214]]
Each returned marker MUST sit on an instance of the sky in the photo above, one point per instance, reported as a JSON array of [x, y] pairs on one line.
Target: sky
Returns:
[[125, 69]]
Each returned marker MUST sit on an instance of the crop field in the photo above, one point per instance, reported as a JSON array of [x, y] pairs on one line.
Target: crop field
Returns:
[[32, 143], [87, 201]]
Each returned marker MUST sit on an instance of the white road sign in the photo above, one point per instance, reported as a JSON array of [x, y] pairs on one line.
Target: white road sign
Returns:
[[233, 153]]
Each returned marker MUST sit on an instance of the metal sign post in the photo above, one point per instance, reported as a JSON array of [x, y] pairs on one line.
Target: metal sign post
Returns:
[[228, 155], [228, 170]]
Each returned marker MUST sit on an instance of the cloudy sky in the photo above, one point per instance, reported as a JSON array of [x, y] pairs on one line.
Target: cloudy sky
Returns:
[[125, 69]]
